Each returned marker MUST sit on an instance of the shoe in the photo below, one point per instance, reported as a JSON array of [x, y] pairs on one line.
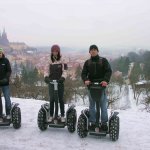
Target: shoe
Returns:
[[63, 119], [97, 129], [50, 119], [55, 121], [104, 126], [1, 120], [92, 126], [8, 117]]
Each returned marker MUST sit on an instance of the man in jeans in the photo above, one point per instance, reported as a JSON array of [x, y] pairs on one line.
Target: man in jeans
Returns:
[[5, 72], [97, 69]]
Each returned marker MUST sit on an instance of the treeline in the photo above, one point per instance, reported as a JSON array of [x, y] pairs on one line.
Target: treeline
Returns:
[[29, 83], [135, 67], [141, 62]]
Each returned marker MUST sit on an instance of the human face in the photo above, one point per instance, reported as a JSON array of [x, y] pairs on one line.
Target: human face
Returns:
[[94, 52], [55, 53], [1, 54]]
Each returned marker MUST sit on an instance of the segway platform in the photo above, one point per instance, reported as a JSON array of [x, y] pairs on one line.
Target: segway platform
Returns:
[[70, 120], [101, 133], [83, 128], [5, 122], [15, 119], [56, 123]]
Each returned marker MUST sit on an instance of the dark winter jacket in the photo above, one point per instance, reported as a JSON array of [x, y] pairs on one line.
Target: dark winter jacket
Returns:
[[56, 70], [5, 71], [96, 69]]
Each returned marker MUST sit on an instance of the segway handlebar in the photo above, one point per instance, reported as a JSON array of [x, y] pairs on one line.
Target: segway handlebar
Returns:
[[96, 85], [55, 83]]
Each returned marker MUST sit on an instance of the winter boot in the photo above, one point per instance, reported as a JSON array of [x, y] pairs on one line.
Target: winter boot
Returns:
[[97, 129], [62, 119], [55, 121], [104, 126], [50, 119], [8, 117], [92, 126], [1, 119]]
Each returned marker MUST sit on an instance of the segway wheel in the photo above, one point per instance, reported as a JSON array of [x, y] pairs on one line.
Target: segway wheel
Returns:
[[114, 128], [71, 121], [42, 120], [82, 126], [16, 117]]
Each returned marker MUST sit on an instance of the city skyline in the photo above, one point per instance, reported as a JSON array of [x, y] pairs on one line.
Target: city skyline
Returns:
[[77, 23]]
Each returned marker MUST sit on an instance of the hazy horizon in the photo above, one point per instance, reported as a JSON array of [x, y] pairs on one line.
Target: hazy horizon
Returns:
[[78, 24]]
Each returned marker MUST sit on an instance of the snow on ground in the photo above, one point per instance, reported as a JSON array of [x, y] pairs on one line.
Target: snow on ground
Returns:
[[134, 133]]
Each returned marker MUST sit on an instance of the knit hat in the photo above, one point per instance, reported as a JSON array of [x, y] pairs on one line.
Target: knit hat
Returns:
[[93, 47], [1, 50], [55, 48]]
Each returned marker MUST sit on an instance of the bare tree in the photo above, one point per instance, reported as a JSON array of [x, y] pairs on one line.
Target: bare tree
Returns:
[[82, 92], [113, 94]]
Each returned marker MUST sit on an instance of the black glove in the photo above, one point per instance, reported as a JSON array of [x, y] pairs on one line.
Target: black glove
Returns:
[[4, 81], [47, 80], [61, 80]]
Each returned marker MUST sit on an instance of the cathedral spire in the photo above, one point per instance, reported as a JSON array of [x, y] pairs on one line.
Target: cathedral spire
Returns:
[[3, 38]]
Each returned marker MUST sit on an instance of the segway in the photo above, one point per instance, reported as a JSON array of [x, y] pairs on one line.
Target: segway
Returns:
[[84, 126], [15, 115], [44, 113]]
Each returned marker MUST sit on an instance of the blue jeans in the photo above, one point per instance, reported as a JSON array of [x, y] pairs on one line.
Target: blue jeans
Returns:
[[103, 107], [6, 93]]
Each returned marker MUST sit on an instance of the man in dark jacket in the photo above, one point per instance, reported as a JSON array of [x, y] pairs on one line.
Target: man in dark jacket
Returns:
[[5, 72], [97, 69]]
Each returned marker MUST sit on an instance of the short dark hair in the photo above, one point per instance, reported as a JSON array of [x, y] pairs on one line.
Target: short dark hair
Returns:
[[93, 47]]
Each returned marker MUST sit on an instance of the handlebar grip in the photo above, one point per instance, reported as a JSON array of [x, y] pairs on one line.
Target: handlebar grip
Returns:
[[96, 85]]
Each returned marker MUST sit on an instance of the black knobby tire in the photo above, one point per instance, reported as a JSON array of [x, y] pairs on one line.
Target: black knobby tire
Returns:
[[42, 120], [82, 126], [71, 121], [114, 128], [16, 117]]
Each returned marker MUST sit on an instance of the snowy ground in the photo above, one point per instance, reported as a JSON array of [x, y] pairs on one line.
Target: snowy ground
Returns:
[[134, 133]]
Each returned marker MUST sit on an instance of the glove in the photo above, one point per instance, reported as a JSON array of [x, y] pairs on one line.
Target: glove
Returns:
[[47, 80], [87, 82], [104, 83], [61, 80], [3, 81]]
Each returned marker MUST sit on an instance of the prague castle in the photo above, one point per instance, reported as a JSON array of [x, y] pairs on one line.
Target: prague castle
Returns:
[[3, 39], [9, 46]]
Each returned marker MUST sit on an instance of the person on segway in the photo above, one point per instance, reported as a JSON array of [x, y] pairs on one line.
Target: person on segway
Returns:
[[56, 70], [5, 72], [97, 69]]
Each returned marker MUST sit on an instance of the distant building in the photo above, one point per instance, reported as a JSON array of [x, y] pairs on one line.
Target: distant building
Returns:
[[3, 39], [18, 46]]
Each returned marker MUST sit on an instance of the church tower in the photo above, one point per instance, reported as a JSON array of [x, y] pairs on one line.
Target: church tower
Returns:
[[3, 39]]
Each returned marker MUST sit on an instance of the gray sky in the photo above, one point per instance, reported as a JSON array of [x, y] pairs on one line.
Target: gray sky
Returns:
[[77, 23]]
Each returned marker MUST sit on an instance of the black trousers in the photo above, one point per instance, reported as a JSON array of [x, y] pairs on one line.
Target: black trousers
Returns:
[[55, 98], [1, 105]]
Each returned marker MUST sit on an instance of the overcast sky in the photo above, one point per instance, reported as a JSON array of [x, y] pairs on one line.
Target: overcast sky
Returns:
[[77, 23]]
